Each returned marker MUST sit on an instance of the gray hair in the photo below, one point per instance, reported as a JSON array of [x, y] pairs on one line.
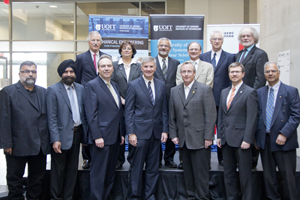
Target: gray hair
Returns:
[[164, 38], [236, 64], [271, 62], [28, 63], [188, 63], [253, 32], [148, 59], [216, 31], [93, 33]]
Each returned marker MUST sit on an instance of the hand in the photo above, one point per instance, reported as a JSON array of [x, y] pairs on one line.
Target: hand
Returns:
[[56, 147], [122, 140], [8, 151], [132, 139], [281, 139], [99, 142], [219, 143], [123, 101], [207, 143], [164, 137], [175, 140], [245, 145]]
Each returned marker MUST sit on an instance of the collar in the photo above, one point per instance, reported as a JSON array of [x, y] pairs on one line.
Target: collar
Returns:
[[198, 61], [249, 48], [237, 87], [218, 53], [190, 85], [67, 86], [275, 87], [104, 80], [146, 80], [92, 53], [161, 58], [121, 62]]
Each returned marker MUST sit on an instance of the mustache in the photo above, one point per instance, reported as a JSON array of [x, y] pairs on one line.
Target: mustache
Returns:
[[69, 77], [95, 45]]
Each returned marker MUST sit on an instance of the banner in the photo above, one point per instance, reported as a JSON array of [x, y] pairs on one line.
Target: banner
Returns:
[[180, 29], [115, 29]]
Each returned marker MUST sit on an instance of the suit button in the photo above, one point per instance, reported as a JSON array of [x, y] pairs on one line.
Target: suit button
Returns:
[[282, 120]]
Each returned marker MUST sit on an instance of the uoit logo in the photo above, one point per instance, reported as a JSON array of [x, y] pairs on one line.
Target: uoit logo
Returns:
[[105, 27], [163, 28]]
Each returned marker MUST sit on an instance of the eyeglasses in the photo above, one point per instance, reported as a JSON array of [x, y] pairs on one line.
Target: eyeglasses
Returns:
[[270, 71], [235, 72], [187, 72], [161, 45], [28, 71], [216, 39]]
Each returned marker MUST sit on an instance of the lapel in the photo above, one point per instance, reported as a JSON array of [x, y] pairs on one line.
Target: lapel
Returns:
[[145, 89], [78, 94], [264, 99], [157, 91], [158, 68], [22, 90], [192, 92], [199, 69], [107, 91], [208, 56], [133, 70], [88, 57], [224, 100], [64, 94], [222, 58], [237, 95], [249, 55], [278, 104], [181, 93], [122, 70]]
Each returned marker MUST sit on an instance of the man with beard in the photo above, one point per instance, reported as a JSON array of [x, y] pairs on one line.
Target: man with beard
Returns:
[[166, 72], [24, 133], [66, 126]]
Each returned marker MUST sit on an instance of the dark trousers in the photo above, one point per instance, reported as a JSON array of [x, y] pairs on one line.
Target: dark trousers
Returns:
[[15, 172], [64, 167], [146, 151], [233, 156], [102, 171], [219, 150], [86, 152], [286, 162], [196, 172], [169, 151]]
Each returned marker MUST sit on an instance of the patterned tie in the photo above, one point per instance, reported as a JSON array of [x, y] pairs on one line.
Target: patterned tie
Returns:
[[150, 92], [95, 61], [73, 105], [270, 109], [164, 68], [213, 61], [113, 93], [231, 98], [243, 55]]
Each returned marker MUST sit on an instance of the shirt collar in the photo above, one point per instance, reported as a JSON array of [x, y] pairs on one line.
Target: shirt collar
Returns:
[[237, 87], [161, 58], [276, 86], [249, 48], [121, 62], [92, 53], [146, 80], [218, 53], [198, 61], [190, 85], [67, 86]]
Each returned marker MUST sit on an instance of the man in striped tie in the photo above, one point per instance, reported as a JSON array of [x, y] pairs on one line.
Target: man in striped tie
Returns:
[[237, 120], [276, 136]]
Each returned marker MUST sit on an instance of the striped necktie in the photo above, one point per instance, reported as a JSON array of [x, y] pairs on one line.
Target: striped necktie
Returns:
[[270, 109], [150, 92], [164, 68], [231, 97]]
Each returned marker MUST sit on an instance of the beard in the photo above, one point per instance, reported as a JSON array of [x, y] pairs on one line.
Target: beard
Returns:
[[68, 80], [30, 81]]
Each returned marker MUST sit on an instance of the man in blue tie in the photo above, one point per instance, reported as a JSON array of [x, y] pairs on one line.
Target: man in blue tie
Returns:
[[276, 136]]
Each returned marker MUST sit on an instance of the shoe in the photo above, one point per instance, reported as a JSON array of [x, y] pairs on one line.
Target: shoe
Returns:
[[119, 165], [86, 164], [180, 166], [171, 164], [160, 164]]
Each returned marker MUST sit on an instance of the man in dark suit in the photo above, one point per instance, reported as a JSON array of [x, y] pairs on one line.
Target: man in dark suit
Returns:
[[166, 72], [220, 60], [192, 123], [276, 136], [253, 59], [146, 117], [66, 123], [24, 133], [86, 66], [104, 115], [237, 122]]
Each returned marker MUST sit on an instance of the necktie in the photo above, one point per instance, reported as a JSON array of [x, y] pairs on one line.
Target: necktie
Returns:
[[270, 109], [243, 55], [231, 97], [95, 61], [164, 68], [113, 93], [213, 61], [73, 105], [150, 92]]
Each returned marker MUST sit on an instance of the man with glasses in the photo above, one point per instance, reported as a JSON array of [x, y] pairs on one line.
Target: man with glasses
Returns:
[[237, 121], [166, 72], [276, 136], [220, 60], [24, 133]]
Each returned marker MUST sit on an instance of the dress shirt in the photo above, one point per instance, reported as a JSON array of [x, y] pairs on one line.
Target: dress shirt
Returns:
[[161, 62], [218, 55], [127, 68], [112, 88], [237, 87], [275, 88], [197, 63], [246, 53], [76, 101], [97, 59], [151, 85], [188, 88]]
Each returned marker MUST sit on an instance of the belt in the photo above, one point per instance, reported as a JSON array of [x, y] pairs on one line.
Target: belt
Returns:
[[76, 128]]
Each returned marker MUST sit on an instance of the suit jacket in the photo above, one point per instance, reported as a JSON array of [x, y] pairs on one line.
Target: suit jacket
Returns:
[[85, 69], [254, 67], [119, 76], [221, 78], [23, 124], [192, 120], [141, 117], [103, 114], [59, 114], [285, 119], [204, 74], [171, 74], [238, 123]]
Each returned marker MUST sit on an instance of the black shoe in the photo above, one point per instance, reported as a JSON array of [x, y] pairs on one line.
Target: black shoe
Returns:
[[86, 164], [170, 164], [180, 166], [119, 165], [160, 164]]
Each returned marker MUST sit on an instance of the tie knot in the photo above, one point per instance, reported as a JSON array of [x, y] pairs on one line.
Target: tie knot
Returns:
[[215, 54], [233, 89], [108, 84], [195, 62], [149, 83], [271, 89], [164, 60], [70, 87]]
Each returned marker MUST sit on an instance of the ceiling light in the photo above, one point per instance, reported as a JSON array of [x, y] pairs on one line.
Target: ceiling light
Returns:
[[53, 6], [72, 22]]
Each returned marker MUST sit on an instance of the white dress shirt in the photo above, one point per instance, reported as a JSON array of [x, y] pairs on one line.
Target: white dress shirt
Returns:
[[218, 55], [188, 88], [151, 85], [161, 62], [127, 68]]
